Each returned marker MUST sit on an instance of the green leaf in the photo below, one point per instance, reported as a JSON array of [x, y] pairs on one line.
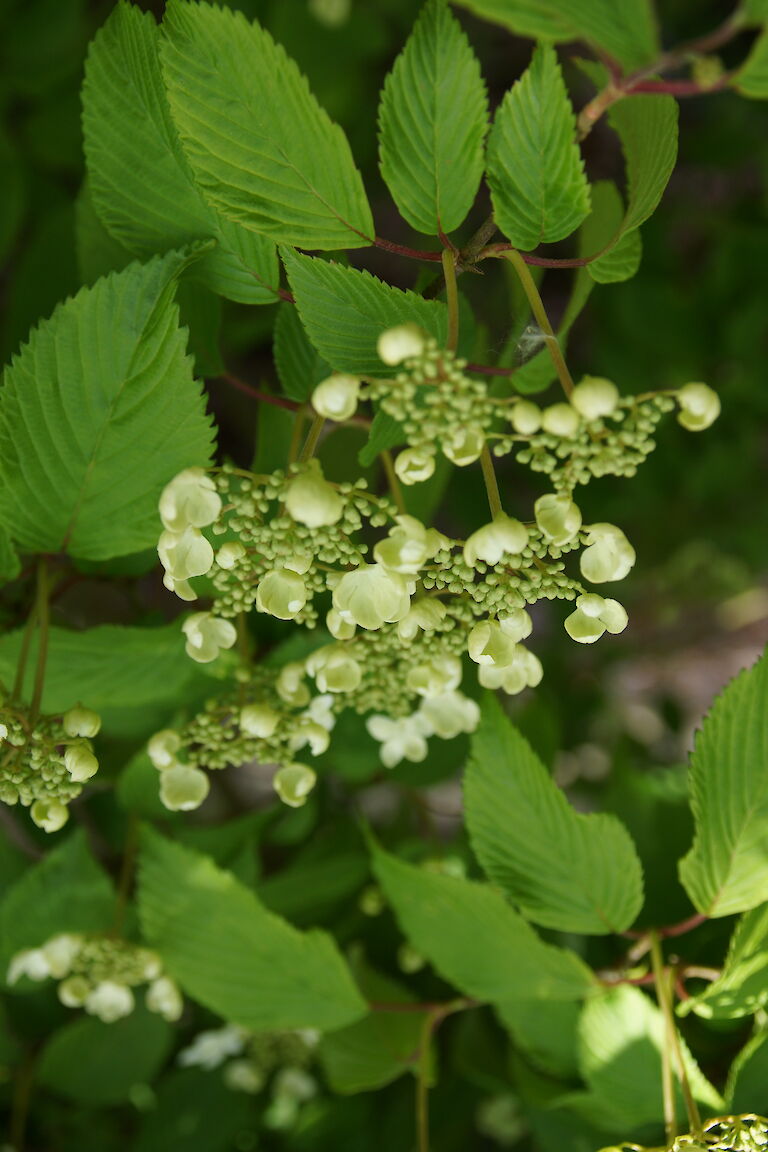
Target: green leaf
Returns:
[[752, 79], [385, 433], [747, 1087], [432, 123], [344, 311], [742, 988], [726, 870], [262, 150], [66, 892], [100, 1064], [474, 939], [535, 170], [621, 1038], [231, 954], [142, 187], [299, 367], [10, 565], [625, 29], [622, 260], [754, 11], [193, 1109], [100, 410], [562, 869], [546, 1031], [105, 667]]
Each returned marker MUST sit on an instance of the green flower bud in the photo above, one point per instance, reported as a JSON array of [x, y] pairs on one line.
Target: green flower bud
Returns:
[[371, 902], [189, 501], [595, 397], [502, 537], [371, 596], [293, 783], [414, 465], [335, 398], [80, 761], [74, 991], [230, 554], [162, 748], [290, 685], [560, 420], [109, 1001], [401, 739], [610, 556], [81, 721], [258, 720], [185, 555], [333, 669], [183, 788], [699, 407], [558, 518], [338, 628], [407, 547], [207, 635], [523, 671], [424, 615], [526, 417], [281, 593], [164, 998], [403, 342], [450, 714], [311, 500], [50, 815], [435, 677], [593, 617], [465, 446]]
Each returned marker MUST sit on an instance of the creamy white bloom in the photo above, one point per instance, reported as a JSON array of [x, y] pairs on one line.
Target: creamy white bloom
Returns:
[[595, 397], [450, 714], [311, 500], [504, 536], [230, 554], [465, 446], [73, 992], [560, 420], [558, 518], [609, 555], [183, 787], [290, 684], [211, 1048], [408, 546], [526, 417], [523, 671], [333, 669], [3, 732], [336, 397], [190, 500], [81, 721], [162, 748], [281, 593], [308, 733], [595, 615], [424, 615], [109, 1001], [60, 952], [320, 711], [80, 761], [207, 635], [372, 595], [403, 738], [339, 628], [186, 554], [293, 783], [435, 677], [699, 406], [494, 642], [50, 815], [31, 962], [164, 998], [258, 720], [414, 465], [403, 342], [243, 1076]]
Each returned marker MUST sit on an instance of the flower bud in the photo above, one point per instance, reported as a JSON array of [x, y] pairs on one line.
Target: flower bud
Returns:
[[293, 783], [258, 720], [81, 721], [230, 554], [610, 556], [435, 677], [450, 714], [424, 615], [340, 629], [371, 596], [403, 342], [311, 500], [183, 788], [290, 685], [185, 555], [558, 518], [60, 953], [333, 669], [190, 500], [162, 748], [50, 815], [560, 420], [80, 762], [526, 417], [206, 635], [595, 397], [164, 998], [504, 536], [407, 547], [281, 593], [699, 407], [335, 398], [465, 446], [593, 616], [109, 1001], [74, 991], [414, 465]]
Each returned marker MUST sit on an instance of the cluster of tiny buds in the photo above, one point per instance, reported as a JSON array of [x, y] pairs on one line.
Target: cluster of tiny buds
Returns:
[[45, 760], [99, 974]]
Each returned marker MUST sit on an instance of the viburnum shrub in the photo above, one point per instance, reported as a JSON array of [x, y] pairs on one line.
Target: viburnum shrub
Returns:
[[330, 626]]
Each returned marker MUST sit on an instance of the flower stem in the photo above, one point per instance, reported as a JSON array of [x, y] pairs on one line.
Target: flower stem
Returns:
[[452, 298], [313, 436], [539, 312], [491, 483], [42, 613], [661, 981], [21, 667], [395, 490]]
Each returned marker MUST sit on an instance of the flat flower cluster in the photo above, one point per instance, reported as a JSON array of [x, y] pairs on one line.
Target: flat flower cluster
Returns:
[[99, 974]]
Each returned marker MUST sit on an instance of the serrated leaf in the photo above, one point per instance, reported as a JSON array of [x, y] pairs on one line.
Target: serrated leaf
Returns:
[[752, 78], [747, 1087], [561, 868], [385, 433], [535, 170], [299, 367], [432, 123], [99, 1064], [262, 150], [474, 939], [344, 311], [742, 987], [142, 187], [99, 411], [626, 29], [622, 261], [546, 1031], [726, 870], [232, 955]]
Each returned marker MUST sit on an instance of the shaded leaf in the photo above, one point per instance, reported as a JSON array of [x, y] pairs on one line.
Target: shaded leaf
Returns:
[[752, 79], [299, 367], [747, 1087], [742, 988]]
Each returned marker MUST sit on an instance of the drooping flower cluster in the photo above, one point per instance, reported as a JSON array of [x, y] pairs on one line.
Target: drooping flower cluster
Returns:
[[99, 974], [45, 761]]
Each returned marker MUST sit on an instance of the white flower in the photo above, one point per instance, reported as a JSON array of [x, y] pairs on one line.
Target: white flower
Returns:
[[50, 815], [339, 628], [425, 615], [230, 554], [465, 446], [699, 406], [560, 420], [185, 554], [3, 732], [594, 616], [494, 642], [60, 952], [73, 992], [523, 671], [404, 342], [243, 1076], [558, 518], [526, 417], [311, 500], [450, 714], [80, 761], [290, 684], [408, 546], [320, 711], [401, 739], [610, 556], [162, 748], [164, 998], [371, 596], [296, 1083], [190, 500], [293, 783], [414, 465], [595, 397], [81, 721], [258, 720], [109, 1001], [31, 962], [435, 677], [210, 1049], [335, 398], [183, 788], [504, 536], [281, 593], [309, 733], [206, 635], [333, 669]]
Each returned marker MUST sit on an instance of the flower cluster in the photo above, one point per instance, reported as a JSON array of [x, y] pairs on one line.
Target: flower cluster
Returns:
[[99, 973], [45, 761]]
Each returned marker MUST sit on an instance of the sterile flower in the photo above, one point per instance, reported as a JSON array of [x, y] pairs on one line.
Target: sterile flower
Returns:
[[450, 714], [311, 500], [206, 635], [336, 397], [339, 628], [243, 1076], [211, 1048], [401, 739], [109, 1001], [403, 342], [162, 748], [31, 962], [593, 616], [80, 761], [309, 733], [290, 684], [60, 952], [504, 536], [333, 669], [258, 720], [699, 406], [558, 518], [183, 788], [293, 783], [435, 677], [190, 500], [414, 465], [281, 593], [523, 671], [81, 721], [424, 615], [50, 815], [465, 446], [164, 998], [230, 554], [408, 546], [494, 642], [321, 712], [73, 992], [595, 397], [609, 555], [560, 420], [185, 554], [372, 595]]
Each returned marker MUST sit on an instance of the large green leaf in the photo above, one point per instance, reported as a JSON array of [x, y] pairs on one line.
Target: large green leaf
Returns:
[[345, 311], [263, 151], [299, 367], [546, 1031], [535, 170], [141, 185], [563, 869], [432, 123], [474, 939], [622, 260], [726, 870], [747, 1087], [625, 29], [231, 954], [100, 410], [742, 987], [752, 79]]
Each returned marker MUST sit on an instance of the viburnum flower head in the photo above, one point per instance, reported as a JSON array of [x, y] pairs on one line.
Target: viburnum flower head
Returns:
[[372, 595], [560, 420], [595, 397], [81, 721], [609, 555], [293, 783], [699, 406], [403, 738], [408, 546], [414, 465], [558, 518], [333, 669], [336, 397], [206, 635], [189, 501], [504, 536], [594, 616], [183, 787], [494, 642], [465, 446], [523, 671], [80, 761], [424, 615], [403, 342], [311, 500], [450, 714], [281, 593]]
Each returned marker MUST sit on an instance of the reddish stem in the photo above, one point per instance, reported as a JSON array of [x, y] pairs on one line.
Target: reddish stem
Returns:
[[264, 397], [489, 370], [539, 261], [411, 253], [684, 925], [677, 87]]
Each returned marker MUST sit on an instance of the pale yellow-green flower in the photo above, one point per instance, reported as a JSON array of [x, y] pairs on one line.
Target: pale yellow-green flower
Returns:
[[281, 593], [609, 555], [311, 500], [403, 342], [414, 465], [293, 783], [207, 635], [558, 518], [372, 595], [595, 615], [595, 397], [699, 406], [504, 536], [336, 397], [190, 500]]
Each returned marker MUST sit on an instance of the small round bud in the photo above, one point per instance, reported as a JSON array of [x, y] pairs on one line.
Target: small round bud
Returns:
[[81, 721], [504, 536], [404, 342], [80, 762], [281, 593], [333, 669], [109, 1001], [183, 788], [293, 783], [335, 398], [699, 407], [450, 714], [164, 998], [409, 960], [371, 902], [371, 596], [258, 720], [162, 748], [190, 500], [595, 397], [311, 500], [526, 417], [610, 556], [230, 554], [207, 635], [414, 465], [560, 420], [558, 518], [465, 446], [50, 815]]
